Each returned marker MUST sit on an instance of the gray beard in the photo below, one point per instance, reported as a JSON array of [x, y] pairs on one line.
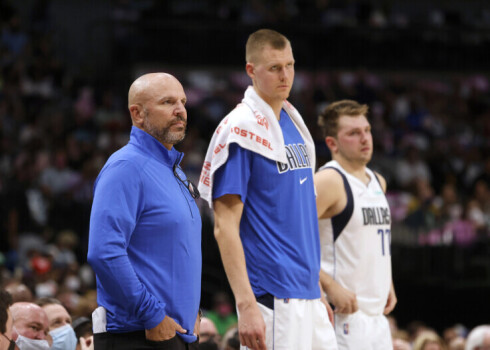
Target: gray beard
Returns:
[[163, 135]]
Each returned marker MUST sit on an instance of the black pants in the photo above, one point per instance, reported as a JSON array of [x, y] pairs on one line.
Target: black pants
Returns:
[[138, 341]]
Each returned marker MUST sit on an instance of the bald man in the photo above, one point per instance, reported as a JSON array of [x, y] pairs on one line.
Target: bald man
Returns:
[[145, 229], [30, 327]]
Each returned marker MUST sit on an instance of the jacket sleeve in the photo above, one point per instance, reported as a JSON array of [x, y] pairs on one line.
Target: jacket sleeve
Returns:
[[117, 204]]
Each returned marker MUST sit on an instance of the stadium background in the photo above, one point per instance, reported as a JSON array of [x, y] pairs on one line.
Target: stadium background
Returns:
[[422, 66]]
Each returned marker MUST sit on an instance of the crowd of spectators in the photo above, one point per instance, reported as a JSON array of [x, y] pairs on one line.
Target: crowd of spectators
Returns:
[[327, 13], [431, 135]]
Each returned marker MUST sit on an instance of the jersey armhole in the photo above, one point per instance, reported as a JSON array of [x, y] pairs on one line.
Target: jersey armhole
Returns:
[[340, 220]]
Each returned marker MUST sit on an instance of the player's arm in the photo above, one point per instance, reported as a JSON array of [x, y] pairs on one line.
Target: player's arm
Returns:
[[323, 299], [331, 199], [227, 214], [344, 300], [392, 300]]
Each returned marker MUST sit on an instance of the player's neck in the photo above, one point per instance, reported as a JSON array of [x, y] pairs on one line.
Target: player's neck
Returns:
[[276, 107], [357, 170], [275, 104]]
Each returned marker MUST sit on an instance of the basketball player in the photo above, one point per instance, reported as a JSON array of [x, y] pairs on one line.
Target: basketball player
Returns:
[[258, 176], [355, 231]]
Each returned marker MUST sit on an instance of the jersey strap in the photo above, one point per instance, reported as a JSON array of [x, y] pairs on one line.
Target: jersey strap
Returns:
[[340, 220]]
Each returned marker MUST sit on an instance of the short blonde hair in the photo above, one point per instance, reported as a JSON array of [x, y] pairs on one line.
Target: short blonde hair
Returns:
[[261, 38], [328, 120]]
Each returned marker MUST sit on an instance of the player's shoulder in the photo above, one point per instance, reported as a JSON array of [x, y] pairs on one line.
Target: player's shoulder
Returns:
[[328, 176], [381, 180]]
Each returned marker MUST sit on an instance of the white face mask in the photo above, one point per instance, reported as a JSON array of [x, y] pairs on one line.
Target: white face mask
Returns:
[[24, 343], [64, 338]]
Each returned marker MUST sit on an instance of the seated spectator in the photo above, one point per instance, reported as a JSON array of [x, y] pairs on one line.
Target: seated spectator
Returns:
[[479, 338], [207, 331], [30, 326], [83, 330], [19, 292], [222, 313], [231, 341], [457, 343], [56, 312], [429, 340], [60, 328], [6, 341]]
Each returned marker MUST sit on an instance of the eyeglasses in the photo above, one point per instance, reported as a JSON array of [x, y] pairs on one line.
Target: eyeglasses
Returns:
[[179, 174]]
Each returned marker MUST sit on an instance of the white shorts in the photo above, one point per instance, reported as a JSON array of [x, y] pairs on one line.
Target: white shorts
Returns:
[[297, 324], [359, 331]]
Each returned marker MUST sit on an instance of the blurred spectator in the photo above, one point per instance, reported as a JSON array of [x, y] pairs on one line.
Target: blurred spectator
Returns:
[[207, 331], [411, 168], [457, 343], [30, 327], [83, 330], [19, 291], [60, 328], [478, 338], [429, 340], [453, 332], [231, 340], [6, 321], [222, 314], [57, 314]]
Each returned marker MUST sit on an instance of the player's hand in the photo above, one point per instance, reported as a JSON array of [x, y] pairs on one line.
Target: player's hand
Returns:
[[329, 310], [251, 327], [344, 300], [165, 330], [391, 302]]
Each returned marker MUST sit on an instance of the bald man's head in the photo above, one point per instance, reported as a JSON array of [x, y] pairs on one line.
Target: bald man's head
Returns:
[[144, 87], [156, 102], [30, 320]]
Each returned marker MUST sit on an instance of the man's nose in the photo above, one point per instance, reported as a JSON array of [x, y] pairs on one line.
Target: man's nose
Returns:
[[180, 108]]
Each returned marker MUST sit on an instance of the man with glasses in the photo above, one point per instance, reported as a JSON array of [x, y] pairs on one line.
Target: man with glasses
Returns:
[[145, 229]]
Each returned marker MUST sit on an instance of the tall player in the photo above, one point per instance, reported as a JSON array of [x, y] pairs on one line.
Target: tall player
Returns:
[[355, 231], [258, 175]]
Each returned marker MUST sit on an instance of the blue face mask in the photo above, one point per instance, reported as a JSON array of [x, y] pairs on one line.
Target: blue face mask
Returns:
[[24, 343], [64, 338]]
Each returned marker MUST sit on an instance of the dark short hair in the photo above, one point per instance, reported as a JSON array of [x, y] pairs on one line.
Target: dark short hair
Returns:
[[5, 302]]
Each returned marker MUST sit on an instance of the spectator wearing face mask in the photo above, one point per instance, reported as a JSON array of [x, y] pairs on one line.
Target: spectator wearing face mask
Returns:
[[60, 328], [30, 326]]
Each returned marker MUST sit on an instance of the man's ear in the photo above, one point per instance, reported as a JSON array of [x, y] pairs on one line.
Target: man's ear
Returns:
[[331, 143], [137, 115], [250, 69]]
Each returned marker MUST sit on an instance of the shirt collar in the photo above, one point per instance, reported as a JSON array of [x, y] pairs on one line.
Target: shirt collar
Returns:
[[154, 148]]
